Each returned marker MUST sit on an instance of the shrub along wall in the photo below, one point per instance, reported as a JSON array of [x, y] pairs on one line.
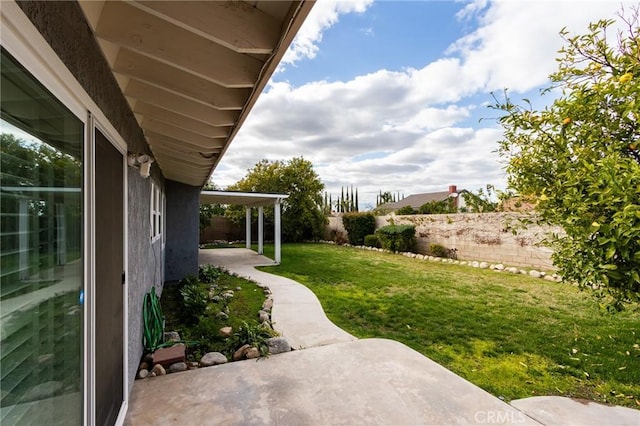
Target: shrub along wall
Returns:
[[476, 236]]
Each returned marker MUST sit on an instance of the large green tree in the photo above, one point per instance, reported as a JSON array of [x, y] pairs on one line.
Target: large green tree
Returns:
[[302, 213], [579, 158]]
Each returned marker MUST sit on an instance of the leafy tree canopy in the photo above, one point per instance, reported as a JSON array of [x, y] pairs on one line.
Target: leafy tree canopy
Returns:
[[579, 157], [302, 214], [207, 211]]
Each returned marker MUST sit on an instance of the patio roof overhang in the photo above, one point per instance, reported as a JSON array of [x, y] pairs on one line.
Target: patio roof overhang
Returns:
[[250, 200], [192, 70]]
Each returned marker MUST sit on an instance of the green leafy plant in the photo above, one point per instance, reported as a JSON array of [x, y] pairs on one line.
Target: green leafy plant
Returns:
[[209, 273], [358, 225], [397, 237], [405, 210], [255, 335], [372, 241], [579, 159], [437, 207], [438, 250], [194, 298]]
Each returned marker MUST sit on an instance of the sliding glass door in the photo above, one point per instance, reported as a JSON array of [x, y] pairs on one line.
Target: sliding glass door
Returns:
[[41, 254]]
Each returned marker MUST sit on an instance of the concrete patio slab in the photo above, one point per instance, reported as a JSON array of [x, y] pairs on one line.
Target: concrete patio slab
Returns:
[[296, 314], [557, 410], [364, 382]]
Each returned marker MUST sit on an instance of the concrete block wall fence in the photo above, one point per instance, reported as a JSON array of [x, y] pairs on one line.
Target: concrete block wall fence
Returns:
[[483, 237]]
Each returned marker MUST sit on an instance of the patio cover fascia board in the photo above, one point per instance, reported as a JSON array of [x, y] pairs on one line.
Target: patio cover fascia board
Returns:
[[248, 199]]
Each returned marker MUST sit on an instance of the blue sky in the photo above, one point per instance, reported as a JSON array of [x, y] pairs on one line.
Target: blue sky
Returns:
[[388, 95]]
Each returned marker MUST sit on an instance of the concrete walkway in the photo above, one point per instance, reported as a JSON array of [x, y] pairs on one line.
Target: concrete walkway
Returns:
[[336, 379], [296, 313]]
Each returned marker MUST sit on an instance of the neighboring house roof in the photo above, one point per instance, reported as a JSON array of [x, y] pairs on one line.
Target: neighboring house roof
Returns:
[[192, 71], [416, 200]]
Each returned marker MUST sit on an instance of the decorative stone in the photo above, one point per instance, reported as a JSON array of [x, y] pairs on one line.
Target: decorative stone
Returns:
[[238, 288], [170, 355], [158, 370], [177, 367], [278, 345], [550, 278], [171, 335], [227, 294], [222, 315], [500, 267], [483, 265], [152, 374], [143, 373], [193, 365], [144, 365], [523, 272], [475, 264], [240, 353], [216, 298], [268, 304], [213, 358], [225, 331], [252, 353], [263, 316], [513, 270], [535, 274]]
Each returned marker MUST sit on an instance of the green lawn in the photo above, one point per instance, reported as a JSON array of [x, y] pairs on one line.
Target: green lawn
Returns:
[[512, 335]]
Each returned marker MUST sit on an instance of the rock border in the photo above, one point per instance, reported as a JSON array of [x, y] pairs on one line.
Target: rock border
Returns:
[[497, 267], [276, 345]]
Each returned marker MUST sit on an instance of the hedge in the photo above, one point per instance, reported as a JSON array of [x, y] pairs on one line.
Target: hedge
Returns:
[[358, 226], [400, 238]]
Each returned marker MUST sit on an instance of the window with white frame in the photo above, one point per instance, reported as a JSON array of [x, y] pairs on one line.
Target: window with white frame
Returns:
[[156, 211]]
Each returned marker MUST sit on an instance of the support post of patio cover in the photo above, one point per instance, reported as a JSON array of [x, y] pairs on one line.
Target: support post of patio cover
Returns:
[[276, 236], [248, 228], [260, 230]]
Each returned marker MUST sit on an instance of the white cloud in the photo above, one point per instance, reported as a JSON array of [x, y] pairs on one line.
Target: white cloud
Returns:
[[517, 41], [409, 130], [324, 15]]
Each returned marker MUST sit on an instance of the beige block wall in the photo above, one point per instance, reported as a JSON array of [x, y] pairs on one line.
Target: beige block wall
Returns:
[[483, 237]]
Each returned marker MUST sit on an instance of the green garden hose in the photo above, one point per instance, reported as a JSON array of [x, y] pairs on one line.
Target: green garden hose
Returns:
[[153, 321]]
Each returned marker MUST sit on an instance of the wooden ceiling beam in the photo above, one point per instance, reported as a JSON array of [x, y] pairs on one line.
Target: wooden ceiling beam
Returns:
[[160, 138], [234, 24], [137, 30], [156, 96], [149, 111], [149, 124], [151, 71]]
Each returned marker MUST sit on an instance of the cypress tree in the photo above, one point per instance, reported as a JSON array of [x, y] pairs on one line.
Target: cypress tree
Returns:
[[357, 204]]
